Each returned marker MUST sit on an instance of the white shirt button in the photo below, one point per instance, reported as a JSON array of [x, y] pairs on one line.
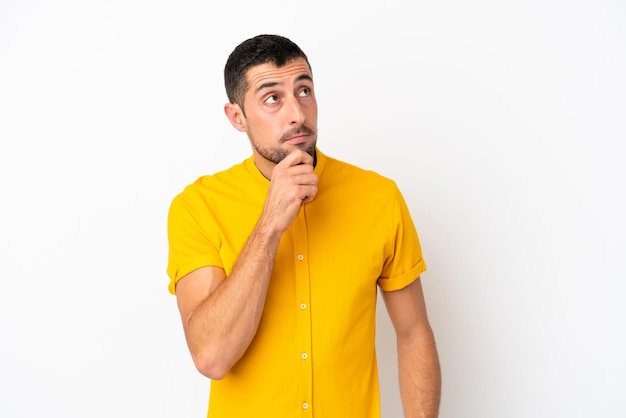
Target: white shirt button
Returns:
[[300, 257], [303, 306], [304, 356], [305, 406]]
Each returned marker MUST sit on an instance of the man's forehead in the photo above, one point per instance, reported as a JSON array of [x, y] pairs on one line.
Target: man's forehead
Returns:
[[268, 73]]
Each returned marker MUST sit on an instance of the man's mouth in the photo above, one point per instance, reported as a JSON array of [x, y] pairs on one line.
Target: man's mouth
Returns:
[[297, 136], [295, 140]]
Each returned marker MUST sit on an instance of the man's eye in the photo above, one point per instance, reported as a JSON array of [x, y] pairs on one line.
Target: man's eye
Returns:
[[271, 99], [305, 92]]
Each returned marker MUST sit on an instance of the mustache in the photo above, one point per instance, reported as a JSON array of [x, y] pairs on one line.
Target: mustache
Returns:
[[297, 131]]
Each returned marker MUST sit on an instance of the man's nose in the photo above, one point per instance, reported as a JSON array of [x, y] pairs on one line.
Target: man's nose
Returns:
[[296, 113]]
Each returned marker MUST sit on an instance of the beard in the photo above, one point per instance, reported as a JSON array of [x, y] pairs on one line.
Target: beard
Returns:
[[275, 154]]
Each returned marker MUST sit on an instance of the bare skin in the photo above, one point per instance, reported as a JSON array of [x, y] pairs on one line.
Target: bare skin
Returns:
[[418, 361]]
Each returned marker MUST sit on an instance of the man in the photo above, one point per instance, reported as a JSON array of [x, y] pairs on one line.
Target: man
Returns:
[[275, 262]]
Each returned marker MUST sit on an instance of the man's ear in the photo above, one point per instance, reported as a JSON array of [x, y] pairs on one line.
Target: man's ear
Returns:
[[235, 116]]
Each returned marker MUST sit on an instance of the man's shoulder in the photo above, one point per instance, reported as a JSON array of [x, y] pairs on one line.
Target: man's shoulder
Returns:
[[215, 183], [351, 172], [231, 173]]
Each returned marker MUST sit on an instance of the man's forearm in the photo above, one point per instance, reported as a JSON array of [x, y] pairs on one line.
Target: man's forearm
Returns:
[[420, 376], [223, 326]]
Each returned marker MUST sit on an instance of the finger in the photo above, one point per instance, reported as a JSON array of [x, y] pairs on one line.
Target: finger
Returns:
[[300, 170], [309, 179], [297, 157], [308, 193]]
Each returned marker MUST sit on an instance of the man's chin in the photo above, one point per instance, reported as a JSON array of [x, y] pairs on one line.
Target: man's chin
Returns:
[[276, 155]]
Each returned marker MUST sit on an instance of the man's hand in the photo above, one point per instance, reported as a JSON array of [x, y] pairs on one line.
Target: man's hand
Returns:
[[293, 183]]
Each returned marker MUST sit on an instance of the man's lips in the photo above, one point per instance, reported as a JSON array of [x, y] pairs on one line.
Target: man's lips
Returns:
[[297, 135], [298, 139]]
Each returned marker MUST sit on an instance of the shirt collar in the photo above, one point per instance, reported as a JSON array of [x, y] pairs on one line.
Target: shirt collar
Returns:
[[260, 179]]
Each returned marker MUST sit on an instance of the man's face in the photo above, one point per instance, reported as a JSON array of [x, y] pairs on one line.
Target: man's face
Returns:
[[281, 111]]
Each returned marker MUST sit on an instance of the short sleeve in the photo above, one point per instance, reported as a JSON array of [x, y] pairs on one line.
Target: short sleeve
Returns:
[[190, 246], [404, 263]]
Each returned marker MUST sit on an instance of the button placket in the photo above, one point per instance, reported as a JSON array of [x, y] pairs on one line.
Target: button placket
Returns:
[[303, 295]]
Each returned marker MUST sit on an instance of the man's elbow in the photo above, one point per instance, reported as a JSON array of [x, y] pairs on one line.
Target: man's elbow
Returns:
[[212, 366]]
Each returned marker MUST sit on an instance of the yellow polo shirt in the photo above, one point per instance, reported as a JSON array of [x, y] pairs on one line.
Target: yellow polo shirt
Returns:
[[313, 354]]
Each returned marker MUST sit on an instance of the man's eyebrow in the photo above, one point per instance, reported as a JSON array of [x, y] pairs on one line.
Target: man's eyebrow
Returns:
[[267, 85], [305, 77], [271, 84]]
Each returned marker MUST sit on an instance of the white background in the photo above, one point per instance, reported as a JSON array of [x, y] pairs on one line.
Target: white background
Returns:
[[502, 122]]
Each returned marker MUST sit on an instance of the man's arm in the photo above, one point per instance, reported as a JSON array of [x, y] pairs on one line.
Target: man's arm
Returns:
[[221, 314], [419, 370]]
